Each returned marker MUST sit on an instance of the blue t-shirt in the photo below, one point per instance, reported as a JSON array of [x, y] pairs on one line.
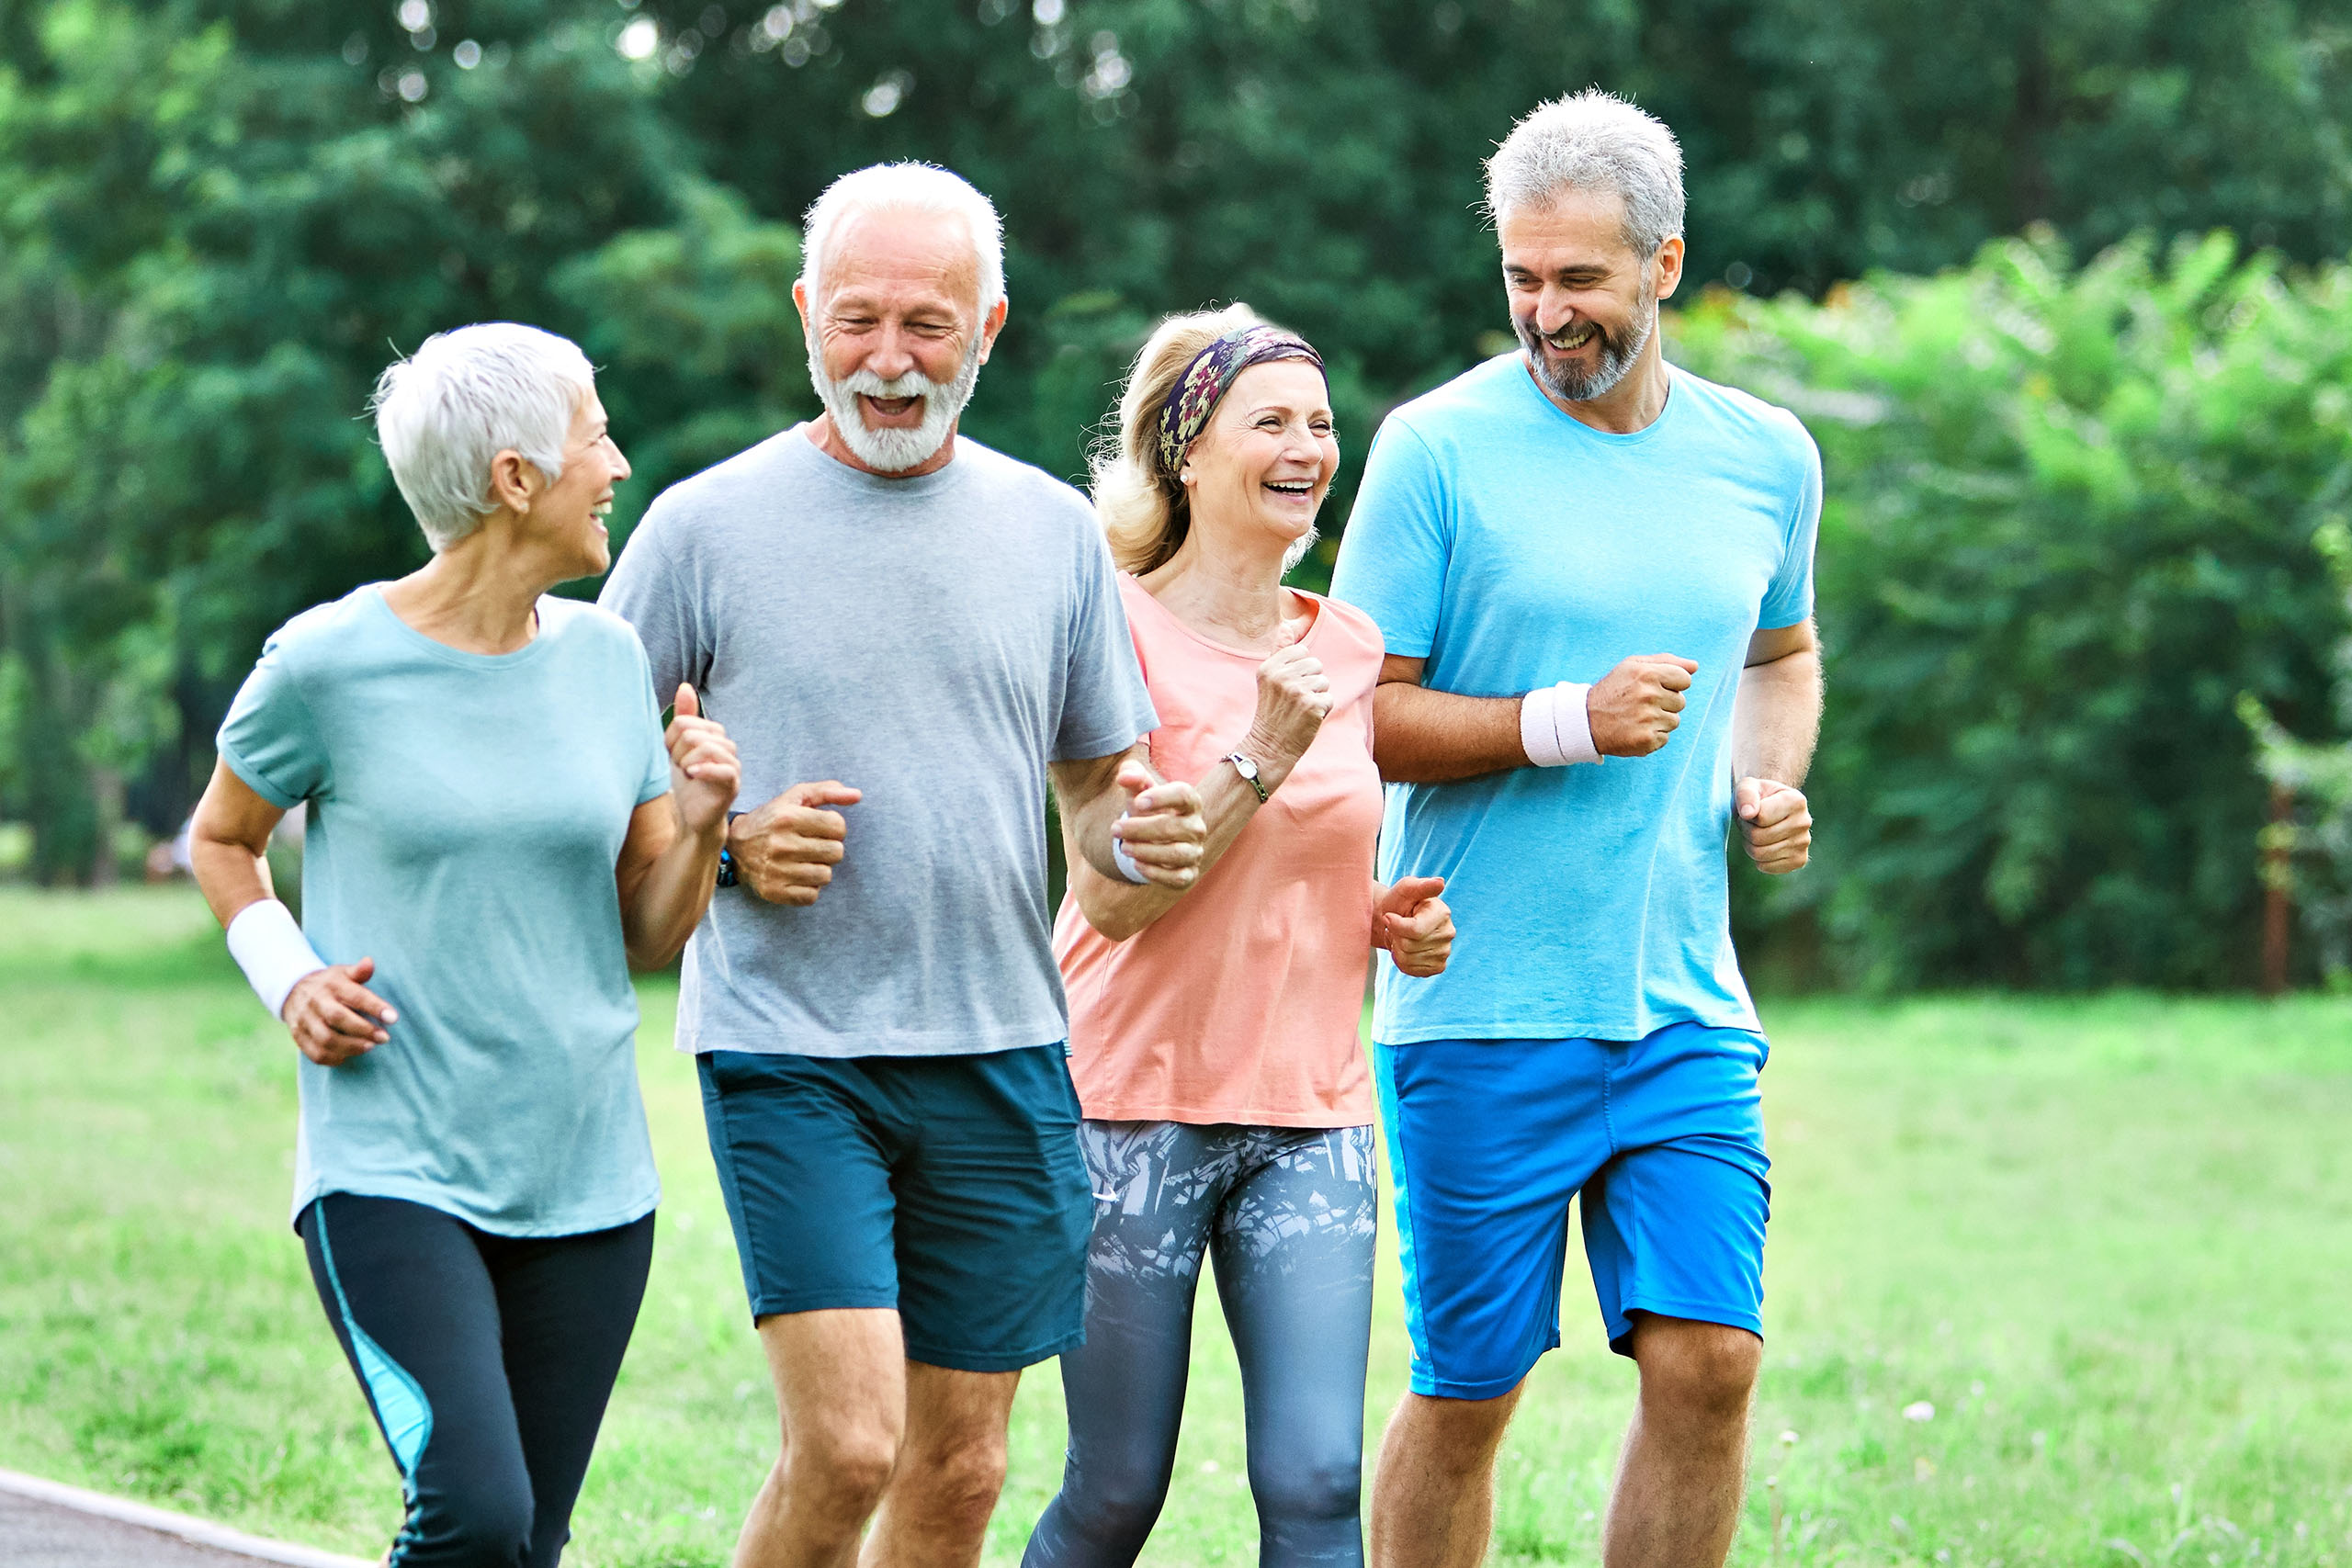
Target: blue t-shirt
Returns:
[[466, 813], [1513, 547]]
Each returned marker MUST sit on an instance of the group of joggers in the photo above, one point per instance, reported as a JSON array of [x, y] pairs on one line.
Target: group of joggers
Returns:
[[956, 1134]]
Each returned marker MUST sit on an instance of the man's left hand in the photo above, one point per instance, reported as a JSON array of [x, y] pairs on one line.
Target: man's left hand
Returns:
[[1776, 823], [1163, 828]]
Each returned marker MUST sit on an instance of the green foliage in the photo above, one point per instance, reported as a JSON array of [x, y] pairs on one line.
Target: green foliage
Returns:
[[2072, 516], [218, 219]]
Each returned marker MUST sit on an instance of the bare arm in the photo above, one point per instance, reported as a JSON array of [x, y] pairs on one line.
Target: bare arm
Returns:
[[331, 1013], [1774, 726], [1293, 698], [1164, 832], [669, 862], [1421, 736]]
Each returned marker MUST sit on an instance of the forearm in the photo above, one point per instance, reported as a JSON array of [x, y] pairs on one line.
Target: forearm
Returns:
[[1425, 737], [1778, 717], [231, 875], [1119, 908], [668, 900]]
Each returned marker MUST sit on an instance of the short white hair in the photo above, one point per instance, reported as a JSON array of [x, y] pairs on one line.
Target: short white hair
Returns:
[[1596, 142], [465, 395], [905, 187]]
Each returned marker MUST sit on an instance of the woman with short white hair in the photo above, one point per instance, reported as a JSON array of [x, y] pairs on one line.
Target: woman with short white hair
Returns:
[[499, 827], [1212, 1028]]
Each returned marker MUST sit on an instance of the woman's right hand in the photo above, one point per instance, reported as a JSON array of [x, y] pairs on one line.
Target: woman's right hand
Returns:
[[1293, 696], [333, 1016]]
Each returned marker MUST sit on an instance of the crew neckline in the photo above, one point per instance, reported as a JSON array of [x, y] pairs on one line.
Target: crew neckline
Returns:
[[1675, 398], [858, 479], [374, 593], [1315, 601]]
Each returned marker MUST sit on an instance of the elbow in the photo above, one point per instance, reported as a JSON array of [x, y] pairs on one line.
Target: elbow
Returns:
[[1111, 922]]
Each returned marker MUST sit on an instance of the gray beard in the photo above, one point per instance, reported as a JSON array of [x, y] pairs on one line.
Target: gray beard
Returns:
[[895, 451], [1573, 386]]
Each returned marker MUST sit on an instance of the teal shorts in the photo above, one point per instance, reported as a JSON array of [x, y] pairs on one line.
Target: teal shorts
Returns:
[[948, 1188]]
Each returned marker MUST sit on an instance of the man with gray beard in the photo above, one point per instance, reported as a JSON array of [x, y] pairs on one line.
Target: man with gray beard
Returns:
[[907, 632]]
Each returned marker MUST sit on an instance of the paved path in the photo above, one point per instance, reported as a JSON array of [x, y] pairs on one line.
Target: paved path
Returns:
[[43, 1525]]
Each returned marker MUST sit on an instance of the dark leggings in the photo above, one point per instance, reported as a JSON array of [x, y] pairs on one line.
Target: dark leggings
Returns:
[[1288, 1217], [487, 1360]]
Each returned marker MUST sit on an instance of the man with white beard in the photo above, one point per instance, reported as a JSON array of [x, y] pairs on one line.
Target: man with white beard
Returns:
[[928, 630]]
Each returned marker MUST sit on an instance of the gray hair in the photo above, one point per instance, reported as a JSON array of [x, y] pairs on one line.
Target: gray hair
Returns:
[[905, 187], [1594, 141], [444, 413]]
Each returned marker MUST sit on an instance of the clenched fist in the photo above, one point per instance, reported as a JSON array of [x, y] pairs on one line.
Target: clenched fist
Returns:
[[703, 769], [333, 1016], [1293, 698], [1636, 706], [1162, 828], [786, 850], [1412, 922], [1776, 823]]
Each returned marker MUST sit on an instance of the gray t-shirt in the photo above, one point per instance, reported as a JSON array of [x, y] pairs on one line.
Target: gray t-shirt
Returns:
[[931, 642]]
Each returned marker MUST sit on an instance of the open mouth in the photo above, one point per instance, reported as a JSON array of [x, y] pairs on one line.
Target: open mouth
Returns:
[[601, 510], [1293, 489], [891, 408], [1567, 340]]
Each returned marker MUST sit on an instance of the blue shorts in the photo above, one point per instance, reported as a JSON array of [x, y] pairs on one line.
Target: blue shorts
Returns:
[[1662, 1137]]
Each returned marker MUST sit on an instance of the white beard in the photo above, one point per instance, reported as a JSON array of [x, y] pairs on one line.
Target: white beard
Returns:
[[895, 451]]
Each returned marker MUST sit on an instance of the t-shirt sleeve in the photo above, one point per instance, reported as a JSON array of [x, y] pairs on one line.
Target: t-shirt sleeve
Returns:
[[1789, 598], [1393, 556], [1105, 707], [270, 739], [646, 590], [656, 783]]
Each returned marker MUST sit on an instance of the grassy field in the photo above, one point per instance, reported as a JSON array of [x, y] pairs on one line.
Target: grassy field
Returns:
[[2109, 1241]]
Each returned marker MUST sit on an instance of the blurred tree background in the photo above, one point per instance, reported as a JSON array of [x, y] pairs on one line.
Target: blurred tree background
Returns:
[[2079, 452]]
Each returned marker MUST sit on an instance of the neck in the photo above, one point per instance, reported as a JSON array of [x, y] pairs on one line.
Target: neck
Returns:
[[480, 595], [1228, 586], [1631, 405], [829, 441]]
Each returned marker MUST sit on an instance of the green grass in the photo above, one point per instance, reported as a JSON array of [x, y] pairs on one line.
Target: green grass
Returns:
[[2109, 1240]]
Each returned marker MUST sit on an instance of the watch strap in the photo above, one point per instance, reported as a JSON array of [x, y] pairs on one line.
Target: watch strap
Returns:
[[1247, 766]]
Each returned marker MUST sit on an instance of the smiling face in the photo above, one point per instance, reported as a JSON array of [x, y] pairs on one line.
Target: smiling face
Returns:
[[898, 339], [1265, 461], [1583, 300], [568, 516]]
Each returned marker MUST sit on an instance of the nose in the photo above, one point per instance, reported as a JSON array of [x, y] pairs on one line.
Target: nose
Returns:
[[620, 462], [1554, 308], [891, 355]]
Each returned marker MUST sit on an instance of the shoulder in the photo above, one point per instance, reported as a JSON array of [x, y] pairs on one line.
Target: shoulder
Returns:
[[749, 476], [325, 633], [1024, 486], [588, 628], [1766, 429], [1473, 397], [1346, 629]]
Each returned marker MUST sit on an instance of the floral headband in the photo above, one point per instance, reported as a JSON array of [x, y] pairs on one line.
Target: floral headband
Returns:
[[1211, 374]]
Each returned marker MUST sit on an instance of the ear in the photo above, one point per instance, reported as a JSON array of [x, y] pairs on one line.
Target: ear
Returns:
[[1668, 266], [513, 481], [993, 324]]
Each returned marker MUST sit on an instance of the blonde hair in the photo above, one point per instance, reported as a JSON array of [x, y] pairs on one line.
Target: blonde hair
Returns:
[[1143, 508]]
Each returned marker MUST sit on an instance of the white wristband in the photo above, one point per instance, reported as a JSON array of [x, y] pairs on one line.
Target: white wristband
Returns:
[[1553, 729], [272, 951], [1124, 860]]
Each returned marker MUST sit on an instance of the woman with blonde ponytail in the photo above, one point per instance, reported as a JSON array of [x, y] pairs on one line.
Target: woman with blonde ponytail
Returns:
[[1212, 1028]]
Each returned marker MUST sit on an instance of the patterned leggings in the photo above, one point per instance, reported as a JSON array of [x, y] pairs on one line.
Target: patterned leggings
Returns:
[[1289, 1216]]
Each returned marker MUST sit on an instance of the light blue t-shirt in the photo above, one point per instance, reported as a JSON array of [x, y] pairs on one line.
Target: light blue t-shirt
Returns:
[[1513, 547], [466, 812]]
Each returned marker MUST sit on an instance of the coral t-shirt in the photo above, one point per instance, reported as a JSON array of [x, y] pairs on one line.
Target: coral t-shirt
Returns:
[[1241, 1003]]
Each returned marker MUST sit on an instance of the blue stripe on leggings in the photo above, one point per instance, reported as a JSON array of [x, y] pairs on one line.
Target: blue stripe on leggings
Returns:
[[399, 1404]]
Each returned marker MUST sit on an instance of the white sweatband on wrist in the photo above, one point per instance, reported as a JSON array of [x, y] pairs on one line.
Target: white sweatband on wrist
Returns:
[[272, 951], [1553, 729], [1124, 860]]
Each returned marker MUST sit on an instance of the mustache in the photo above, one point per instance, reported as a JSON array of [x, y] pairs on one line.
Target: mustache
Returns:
[[1559, 339]]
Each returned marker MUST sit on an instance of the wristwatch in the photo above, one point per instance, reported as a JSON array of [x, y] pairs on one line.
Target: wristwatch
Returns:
[[727, 877], [1247, 766]]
